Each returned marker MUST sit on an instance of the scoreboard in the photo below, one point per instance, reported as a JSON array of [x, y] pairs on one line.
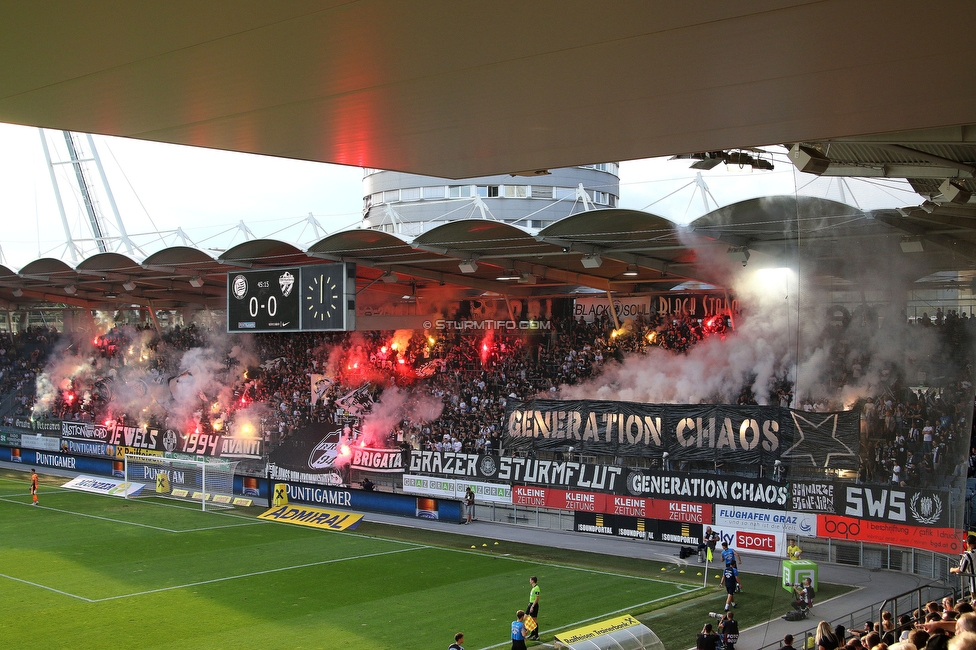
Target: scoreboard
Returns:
[[295, 299]]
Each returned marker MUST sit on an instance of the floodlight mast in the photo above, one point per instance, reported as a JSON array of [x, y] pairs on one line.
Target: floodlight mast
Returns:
[[79, 160]]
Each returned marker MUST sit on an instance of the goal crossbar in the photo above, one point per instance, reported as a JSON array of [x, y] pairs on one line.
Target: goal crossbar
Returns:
[[183, 479]]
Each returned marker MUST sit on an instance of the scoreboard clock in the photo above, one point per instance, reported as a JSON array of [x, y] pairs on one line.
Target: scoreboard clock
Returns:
[[329, 297], [263, 301], [307, 298]]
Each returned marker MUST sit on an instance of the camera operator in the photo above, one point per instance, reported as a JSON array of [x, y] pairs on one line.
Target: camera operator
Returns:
[[804, 595], [729, 629], [707, 639]]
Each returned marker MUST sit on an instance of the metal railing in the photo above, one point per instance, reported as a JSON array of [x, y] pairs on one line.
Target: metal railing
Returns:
[[900, 604]]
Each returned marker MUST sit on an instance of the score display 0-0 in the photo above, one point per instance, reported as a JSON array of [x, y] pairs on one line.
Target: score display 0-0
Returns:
[[305, 298]]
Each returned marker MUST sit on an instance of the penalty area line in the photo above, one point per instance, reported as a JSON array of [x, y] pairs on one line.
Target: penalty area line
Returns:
[[40, 586], [254, 573]]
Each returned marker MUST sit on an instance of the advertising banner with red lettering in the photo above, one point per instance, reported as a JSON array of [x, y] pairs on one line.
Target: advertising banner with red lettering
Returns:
[[940, 540], [712, 432], [673, 511]]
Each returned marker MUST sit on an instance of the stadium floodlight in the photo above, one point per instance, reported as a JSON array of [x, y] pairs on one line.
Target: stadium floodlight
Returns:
[[591, 261], [196, 281], [182, 479], [468, 266], [129, 286]]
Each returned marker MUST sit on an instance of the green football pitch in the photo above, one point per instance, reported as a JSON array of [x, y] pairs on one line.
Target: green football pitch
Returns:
[[87, 571]]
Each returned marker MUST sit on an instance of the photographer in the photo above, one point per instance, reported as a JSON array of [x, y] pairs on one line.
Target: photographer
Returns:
[[729, 630], [707, 639], [804, 595], [709, 540]]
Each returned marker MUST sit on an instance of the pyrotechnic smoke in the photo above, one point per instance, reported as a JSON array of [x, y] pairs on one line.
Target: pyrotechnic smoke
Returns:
[[782, 332], [142, 382], [393, 407]]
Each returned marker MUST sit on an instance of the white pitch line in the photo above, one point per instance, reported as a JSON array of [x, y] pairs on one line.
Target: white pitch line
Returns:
[[566, 566], [256, 573], [82, 514], [135, 523], [40, 586]]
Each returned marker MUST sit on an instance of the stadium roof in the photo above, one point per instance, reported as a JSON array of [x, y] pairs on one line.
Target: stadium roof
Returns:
[[624, 251], [461, 90]]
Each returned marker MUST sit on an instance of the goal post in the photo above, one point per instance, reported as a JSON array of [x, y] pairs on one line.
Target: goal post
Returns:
[[200, 481]]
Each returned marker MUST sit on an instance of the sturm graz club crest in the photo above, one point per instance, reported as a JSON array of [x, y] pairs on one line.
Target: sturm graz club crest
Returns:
[[488, 466], [239, 287], [170, 440], [926, 509]]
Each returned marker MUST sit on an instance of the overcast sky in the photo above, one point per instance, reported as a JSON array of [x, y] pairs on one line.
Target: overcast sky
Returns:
[[207, 193]]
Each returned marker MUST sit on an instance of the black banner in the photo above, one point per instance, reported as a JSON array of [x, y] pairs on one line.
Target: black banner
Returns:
[[814, 496], [740, 434], [308, 455], [40, 425], [84, 431], [894, 504], [707, 488], [525, 471]]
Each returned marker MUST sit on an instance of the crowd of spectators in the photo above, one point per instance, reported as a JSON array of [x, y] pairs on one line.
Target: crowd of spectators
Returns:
[[301, 378], [930, 628], [22, 356]]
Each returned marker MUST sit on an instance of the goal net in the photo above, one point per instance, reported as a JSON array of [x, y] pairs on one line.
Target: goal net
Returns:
[[204, 482]]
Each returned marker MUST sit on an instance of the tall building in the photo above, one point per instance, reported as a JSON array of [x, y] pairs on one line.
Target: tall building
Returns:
[[408, 204]]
